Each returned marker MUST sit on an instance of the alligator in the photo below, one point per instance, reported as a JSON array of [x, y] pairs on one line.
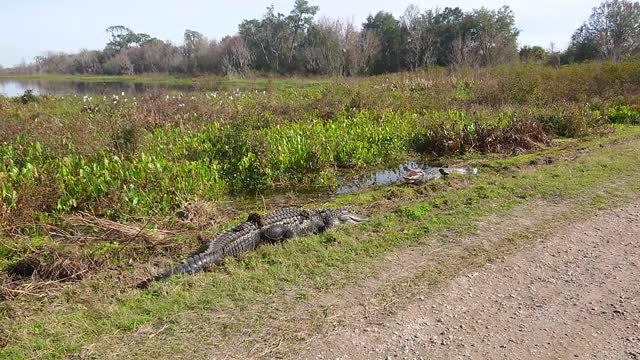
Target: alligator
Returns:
[[279, 225], [419, 176]]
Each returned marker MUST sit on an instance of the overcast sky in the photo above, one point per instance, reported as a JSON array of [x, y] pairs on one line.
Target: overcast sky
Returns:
[[31, 27]]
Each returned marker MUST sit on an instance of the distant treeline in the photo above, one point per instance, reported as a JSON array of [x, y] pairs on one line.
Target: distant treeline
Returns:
[[300, 44]]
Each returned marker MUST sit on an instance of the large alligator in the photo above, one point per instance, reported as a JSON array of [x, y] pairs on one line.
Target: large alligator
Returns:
[[419, 176], [277, 226]]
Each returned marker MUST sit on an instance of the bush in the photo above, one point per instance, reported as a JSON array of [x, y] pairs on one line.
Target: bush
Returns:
[[622, 114], [571, 120], [28, 97]]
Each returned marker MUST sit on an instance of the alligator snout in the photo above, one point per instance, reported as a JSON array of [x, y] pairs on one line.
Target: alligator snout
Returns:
[[353, 218]]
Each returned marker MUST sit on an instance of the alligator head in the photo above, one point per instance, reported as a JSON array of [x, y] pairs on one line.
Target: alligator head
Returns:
[[418, 176], [333, 218], [414, 176]]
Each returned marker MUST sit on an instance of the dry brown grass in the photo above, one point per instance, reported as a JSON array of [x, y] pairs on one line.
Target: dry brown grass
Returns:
[[453, 138], [200, 213], [110, 230], [51, 264], [519, 135], [32, 199]]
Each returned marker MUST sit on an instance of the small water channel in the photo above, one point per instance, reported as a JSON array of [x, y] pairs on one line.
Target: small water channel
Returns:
[[12, 88], [381, 177]]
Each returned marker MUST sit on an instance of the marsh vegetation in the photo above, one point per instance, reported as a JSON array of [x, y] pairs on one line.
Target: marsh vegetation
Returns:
[[99, 189]]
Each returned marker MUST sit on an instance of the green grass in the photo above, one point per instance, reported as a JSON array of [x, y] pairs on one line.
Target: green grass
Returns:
[[146, 159], [401, 217], [123, 157]]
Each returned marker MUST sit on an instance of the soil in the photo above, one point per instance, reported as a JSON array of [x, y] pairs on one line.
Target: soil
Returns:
[[545, 280], [574, 294]]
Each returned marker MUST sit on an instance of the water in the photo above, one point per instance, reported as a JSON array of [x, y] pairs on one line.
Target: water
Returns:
[[381, 177], [13, 88], [393, 175]]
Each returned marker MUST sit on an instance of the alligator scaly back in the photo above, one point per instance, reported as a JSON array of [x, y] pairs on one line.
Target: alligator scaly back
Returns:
[[279, 225]]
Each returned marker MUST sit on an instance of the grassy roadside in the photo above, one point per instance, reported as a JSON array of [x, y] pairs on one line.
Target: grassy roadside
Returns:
[[245, 292], [202, 81]]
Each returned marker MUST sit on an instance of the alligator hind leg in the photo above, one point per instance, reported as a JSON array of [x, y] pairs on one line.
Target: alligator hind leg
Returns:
[[277, 232]]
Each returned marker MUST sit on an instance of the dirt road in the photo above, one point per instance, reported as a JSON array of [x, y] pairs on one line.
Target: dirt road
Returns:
[[573, 295]]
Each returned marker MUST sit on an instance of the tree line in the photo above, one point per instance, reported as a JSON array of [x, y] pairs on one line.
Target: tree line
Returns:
[[298, 43]]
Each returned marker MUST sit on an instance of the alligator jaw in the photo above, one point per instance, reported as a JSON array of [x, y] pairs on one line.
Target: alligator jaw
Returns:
[[352, 218], [413, 175]]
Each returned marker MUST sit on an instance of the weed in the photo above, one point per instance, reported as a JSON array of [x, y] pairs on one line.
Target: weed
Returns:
[[28, 97], [622, 114]]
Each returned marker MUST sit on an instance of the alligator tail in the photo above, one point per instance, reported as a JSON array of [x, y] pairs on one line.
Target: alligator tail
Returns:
[[190, 265]]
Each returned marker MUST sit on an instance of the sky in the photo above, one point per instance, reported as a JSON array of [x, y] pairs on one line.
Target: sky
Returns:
[[32, 27]]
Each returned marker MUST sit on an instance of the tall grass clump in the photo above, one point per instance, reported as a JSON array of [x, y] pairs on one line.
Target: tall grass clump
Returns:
[[456, 133]]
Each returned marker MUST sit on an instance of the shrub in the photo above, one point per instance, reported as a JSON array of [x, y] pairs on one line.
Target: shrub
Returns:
[[570, 120], [28, 97], [622, 114]]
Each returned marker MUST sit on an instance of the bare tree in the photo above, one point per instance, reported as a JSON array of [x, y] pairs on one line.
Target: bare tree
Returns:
[[615, 27], [415, 46], [368, 51], [348, 42], [421, 42], [87, 62], [464, 51], [359, 50], [321, 50], [161, 56], [554, 55], [119, 65], [236, 57]]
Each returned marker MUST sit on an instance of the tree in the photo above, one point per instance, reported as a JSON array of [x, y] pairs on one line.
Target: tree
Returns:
[[321, 50], [450, 32], [236, 57], [421, 38], [532, 54], [466, 47], [297, 43], [583, 46], [154, 56], [193, 42], [123, 38], [300, 19], [495, 35], [119, 65], [390, 35], [554, 57], [88, 62], [360, 50], [612, 31], [268, 40]]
